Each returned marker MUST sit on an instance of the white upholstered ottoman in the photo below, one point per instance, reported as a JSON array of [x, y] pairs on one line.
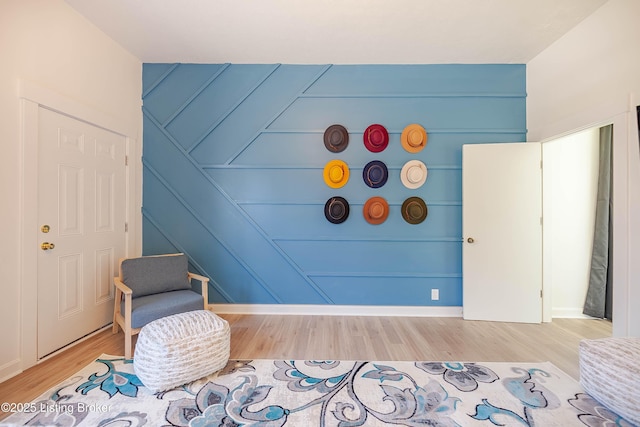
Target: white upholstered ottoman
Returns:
[[181, 348], [610, 373]]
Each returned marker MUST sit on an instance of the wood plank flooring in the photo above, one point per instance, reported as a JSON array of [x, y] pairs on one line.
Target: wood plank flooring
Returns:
[[349, 338]]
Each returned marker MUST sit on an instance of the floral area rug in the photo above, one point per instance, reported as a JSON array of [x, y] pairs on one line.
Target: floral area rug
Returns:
[[299, 393]]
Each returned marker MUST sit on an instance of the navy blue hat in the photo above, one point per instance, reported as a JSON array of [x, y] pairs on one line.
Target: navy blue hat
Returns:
[[336, 210], [375, 174]]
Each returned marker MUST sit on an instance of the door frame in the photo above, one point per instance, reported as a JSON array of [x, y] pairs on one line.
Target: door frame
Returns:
[[621, 153], [31, 98]]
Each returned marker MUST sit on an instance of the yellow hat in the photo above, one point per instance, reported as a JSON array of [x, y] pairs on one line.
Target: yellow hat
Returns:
[[336, 173], [413, 138]]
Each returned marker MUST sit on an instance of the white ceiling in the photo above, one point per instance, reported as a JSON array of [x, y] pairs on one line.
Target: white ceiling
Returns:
[[336, 31]]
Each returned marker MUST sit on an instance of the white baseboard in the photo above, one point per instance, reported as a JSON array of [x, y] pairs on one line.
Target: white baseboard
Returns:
[[337, 310], [569, 313], [10, 369]]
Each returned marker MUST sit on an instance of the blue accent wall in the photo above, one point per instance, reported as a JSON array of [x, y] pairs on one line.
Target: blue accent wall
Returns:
[[233, 159]]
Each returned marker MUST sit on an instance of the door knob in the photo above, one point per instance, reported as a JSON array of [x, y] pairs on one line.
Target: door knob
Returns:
[[46, 246], [470, 240]]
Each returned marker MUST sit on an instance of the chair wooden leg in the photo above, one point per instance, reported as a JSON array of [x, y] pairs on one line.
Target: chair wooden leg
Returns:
[[116, 310], [127, 344]]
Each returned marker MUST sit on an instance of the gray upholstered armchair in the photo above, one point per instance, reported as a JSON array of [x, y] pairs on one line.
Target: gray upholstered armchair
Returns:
[[152, 287]]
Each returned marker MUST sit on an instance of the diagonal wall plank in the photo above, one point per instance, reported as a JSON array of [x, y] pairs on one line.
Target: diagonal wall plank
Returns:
[[202, 197], [233, 174]]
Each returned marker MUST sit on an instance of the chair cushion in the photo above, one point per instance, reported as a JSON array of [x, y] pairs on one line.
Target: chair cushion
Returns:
[[180, 349], [151, 307], [610, 373], [150, 275]]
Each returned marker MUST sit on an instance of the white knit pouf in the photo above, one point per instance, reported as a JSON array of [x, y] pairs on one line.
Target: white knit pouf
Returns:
[[182, 348], [610, 373]]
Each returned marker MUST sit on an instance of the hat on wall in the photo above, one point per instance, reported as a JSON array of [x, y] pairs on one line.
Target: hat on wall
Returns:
[[336, 138], [375, 210], [336, 210], [376, 138], [414, 210], [375, 174], [336, 173], [413, 138], [413, 174]]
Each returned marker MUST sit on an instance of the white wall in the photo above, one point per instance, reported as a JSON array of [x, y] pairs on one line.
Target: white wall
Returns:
[[570, 183], [591, 76], [48, 44]]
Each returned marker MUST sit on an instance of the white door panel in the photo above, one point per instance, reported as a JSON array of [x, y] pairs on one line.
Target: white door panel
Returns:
[[81, 198], [502, 231]]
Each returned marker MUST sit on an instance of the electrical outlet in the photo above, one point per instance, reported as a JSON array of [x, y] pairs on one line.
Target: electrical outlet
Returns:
[[435, 294]]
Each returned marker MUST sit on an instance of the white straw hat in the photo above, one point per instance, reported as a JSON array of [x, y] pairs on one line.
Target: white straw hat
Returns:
[[413, 174]]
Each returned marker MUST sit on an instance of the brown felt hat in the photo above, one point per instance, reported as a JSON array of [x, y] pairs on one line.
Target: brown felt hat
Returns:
[[414, 210], [336, 138], [375, 210], [336, 210]]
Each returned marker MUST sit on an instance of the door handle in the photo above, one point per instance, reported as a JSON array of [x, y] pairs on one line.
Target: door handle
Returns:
[[46, 246], [470, 240]]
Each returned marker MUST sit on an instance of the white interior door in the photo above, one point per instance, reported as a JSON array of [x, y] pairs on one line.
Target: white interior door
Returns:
[[81, 213], [502, 232]]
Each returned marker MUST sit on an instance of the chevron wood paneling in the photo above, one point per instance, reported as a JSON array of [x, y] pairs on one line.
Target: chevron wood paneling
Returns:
[[233, 158]]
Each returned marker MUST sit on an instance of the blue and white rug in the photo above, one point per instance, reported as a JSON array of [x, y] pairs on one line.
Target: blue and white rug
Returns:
[[297, 393]]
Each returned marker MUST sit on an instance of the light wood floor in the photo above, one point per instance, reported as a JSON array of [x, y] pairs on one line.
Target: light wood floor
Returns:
[[349, 338]]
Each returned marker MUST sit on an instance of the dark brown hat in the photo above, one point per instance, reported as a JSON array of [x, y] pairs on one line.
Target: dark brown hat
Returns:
[[336, 210], [414, 210], [336, 138]]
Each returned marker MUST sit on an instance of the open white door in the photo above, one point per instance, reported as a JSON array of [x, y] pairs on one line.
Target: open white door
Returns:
[[502, 232]]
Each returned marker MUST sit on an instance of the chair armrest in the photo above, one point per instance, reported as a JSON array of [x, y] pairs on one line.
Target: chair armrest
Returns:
[[197, 277], [204, 286], [124, 319], [121, 286]]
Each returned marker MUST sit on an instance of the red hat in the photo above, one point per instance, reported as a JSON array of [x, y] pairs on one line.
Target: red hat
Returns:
[[376, 138]]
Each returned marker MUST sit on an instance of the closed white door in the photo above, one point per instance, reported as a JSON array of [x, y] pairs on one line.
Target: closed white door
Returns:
[[81, 213], [502, 232]]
